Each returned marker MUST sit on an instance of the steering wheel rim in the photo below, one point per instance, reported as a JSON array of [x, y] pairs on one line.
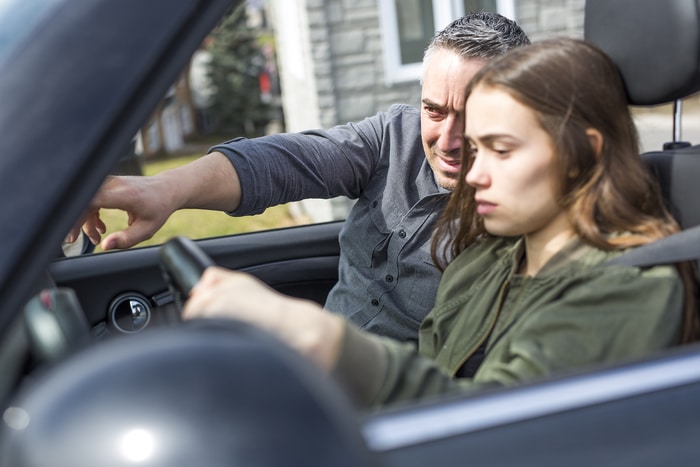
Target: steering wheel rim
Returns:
[[182, 262]]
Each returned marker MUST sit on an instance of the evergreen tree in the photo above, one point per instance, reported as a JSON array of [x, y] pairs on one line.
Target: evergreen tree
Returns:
[[235, 66]]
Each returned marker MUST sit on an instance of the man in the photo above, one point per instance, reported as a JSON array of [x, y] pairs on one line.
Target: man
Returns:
[[400, 166]]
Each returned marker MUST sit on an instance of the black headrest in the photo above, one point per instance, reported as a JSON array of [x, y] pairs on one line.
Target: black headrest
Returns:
[[656, 45]]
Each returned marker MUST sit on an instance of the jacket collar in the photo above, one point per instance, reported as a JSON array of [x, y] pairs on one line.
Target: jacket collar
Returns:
[[574, 255]]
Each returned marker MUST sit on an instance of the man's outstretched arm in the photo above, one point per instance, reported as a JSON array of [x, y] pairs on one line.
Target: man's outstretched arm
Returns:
[[210, 182]]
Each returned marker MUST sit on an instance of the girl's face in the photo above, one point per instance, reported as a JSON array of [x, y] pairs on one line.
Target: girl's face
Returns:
[[512, 170]]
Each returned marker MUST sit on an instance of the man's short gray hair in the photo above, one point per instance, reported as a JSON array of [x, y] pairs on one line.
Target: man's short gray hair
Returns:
[[483, 35]]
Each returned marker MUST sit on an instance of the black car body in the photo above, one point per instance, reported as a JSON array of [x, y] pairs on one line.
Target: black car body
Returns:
[[78, 80]]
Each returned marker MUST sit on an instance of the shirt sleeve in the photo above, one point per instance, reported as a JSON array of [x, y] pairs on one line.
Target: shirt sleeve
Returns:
[[282, 168], [610, 319]]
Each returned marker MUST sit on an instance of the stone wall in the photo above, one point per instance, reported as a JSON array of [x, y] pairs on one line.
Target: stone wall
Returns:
[[549, 18], [347, 46]]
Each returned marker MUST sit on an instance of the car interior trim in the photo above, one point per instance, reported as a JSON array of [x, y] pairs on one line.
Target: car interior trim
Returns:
[[425, 424]]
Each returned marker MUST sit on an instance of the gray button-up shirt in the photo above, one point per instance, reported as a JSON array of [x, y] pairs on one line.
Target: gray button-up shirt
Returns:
[[387, 280]]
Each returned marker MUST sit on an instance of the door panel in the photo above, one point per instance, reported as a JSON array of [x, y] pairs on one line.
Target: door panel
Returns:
[[298, 261], [641, 414]]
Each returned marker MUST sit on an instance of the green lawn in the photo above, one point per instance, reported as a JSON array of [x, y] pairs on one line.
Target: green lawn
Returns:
[[195, 223]]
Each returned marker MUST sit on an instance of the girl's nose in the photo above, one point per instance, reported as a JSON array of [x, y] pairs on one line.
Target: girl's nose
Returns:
[[478, 176]]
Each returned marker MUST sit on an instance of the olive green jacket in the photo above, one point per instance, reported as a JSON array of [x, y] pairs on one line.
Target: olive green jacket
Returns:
[[572, 314]]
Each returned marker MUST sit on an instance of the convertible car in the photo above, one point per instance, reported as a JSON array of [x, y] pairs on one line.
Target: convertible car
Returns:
[[98, 370]]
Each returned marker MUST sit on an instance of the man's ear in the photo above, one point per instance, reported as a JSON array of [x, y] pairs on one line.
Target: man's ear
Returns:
[[596, 139]]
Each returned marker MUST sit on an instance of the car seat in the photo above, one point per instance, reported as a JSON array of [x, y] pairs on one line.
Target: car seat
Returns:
[[656, 45]]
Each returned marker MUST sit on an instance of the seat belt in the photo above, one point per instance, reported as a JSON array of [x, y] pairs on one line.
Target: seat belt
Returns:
[[676, 248]]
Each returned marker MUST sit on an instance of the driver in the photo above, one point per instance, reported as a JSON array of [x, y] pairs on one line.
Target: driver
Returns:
[[551, 187]]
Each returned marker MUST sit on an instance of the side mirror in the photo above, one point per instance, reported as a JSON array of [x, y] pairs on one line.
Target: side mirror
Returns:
[[81, 246]]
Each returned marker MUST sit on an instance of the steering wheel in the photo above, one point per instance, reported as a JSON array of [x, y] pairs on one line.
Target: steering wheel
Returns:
[[182, 263], [148, 381]]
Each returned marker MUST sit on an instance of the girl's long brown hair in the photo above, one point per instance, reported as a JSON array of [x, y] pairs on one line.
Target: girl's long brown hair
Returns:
[[572, 86]]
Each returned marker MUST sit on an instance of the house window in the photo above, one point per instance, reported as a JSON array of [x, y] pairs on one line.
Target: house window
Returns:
[[414, 21], [408, 25], [471, 6]]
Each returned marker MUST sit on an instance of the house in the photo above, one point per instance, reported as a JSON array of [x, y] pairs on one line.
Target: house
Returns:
[[342, 60]]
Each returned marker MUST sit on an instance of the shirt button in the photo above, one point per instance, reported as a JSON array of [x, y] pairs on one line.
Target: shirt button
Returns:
[[375, 203], [375, 302], [389, 278], [402, 233]]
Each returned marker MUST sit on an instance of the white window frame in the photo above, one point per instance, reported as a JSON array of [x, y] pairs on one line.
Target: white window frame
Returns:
[[444, 11]]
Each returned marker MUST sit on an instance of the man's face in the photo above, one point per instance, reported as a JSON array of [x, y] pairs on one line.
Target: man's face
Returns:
[[442, 103]]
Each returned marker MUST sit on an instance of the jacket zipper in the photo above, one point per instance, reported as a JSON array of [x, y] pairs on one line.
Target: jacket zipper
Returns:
[[501, 301], [514, 317]]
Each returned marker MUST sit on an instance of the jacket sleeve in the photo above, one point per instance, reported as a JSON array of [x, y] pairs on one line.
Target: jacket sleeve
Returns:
[[376, 371], [281, 168], [610, 319]]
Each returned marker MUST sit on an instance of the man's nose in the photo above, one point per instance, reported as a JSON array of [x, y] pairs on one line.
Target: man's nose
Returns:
[[450, 134]]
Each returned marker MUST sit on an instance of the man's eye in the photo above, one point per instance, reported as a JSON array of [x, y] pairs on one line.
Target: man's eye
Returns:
[[432, 111]]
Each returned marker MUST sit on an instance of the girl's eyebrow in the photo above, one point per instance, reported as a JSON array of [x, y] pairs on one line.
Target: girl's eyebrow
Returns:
[[490, 138]]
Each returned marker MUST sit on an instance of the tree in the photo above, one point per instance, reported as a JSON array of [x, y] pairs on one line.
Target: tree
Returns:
[[235, 67]]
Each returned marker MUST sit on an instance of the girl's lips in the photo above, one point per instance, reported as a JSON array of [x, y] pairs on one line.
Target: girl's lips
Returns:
[[484, 208]]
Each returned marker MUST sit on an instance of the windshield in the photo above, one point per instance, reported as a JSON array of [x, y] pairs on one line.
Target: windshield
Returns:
[[17, 19]]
